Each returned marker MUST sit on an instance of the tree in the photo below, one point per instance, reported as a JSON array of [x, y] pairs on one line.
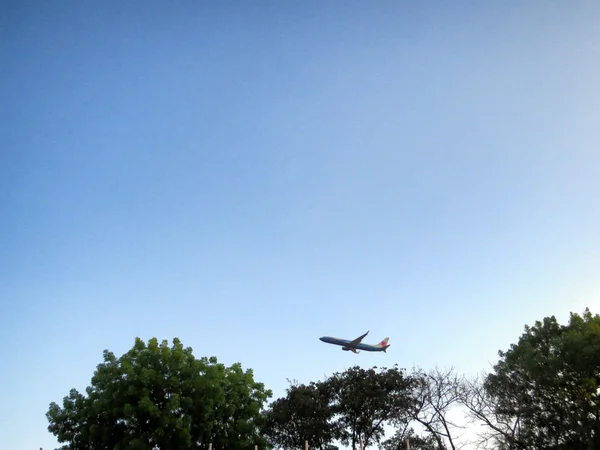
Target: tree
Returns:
[[239, 417], [501, 431], [303, 414], [438, 394], [364, 400], [156, 395], [399, 439], [548, 384]]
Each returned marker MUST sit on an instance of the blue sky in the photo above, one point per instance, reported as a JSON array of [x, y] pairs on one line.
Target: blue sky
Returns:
[[251, 176]]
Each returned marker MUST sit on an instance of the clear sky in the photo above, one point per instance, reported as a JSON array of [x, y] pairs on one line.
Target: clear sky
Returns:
[[250, 176]]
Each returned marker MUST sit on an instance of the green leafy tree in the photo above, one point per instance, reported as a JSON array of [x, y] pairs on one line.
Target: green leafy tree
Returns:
[[160, 396], [402, 436], [239, 417], [305, 413], [549, 383], [364, 400]]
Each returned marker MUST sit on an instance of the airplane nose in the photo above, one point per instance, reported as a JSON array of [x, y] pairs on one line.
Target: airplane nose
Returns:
[[322, 339]]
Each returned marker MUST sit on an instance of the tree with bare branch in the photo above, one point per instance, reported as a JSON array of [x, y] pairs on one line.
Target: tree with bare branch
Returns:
[[498, 431], [437, 396], [545, 390]]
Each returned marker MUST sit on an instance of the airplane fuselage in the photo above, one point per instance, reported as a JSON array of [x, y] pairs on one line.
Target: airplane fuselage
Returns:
[[347, 344]]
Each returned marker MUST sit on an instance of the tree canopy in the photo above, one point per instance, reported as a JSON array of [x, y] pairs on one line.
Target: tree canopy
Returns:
[[305, 413], [364, 400], [350, 407], [542, 393], [549, 382], [156, 395]]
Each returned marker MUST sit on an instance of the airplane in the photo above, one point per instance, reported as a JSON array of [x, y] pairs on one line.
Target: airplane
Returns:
[[356, 344]]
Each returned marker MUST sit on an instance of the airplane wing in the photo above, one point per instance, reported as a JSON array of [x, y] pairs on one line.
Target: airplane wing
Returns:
[[358, 339]]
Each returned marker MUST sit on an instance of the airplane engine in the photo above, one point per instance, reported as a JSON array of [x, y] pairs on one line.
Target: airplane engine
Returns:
[[345, 349]]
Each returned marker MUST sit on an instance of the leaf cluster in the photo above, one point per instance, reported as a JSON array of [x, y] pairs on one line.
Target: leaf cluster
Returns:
[[351, 407], [548, 382], [157, 395], [544, 392]]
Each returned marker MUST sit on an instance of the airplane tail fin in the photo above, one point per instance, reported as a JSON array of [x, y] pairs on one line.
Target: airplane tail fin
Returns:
[[384, 344]]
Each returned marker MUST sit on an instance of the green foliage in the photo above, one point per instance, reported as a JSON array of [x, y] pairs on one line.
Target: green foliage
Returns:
[[239, 415], [544, 393], [364, 400], [549, 382], [399, 439], [156, 395], [303, 414], [350, 406]]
